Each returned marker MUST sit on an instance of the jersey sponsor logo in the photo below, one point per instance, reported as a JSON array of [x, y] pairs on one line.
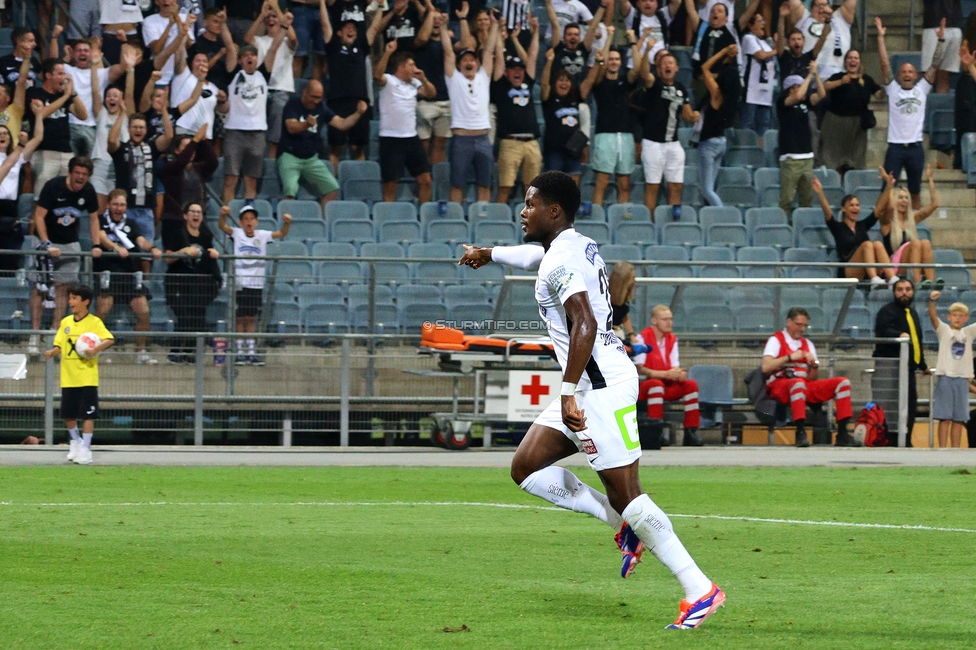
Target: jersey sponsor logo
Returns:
[[559, 279], [588, 447], [591, 251]]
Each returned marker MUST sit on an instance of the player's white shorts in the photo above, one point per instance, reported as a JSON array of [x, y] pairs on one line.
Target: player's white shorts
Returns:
[[950, 62], [665, 159], [610, 438]]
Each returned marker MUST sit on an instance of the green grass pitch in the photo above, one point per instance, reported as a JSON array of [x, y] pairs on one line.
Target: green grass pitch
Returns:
[[265, 558]]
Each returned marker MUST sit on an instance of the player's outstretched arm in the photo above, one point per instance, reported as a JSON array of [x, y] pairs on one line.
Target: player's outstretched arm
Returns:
[[526, 256]]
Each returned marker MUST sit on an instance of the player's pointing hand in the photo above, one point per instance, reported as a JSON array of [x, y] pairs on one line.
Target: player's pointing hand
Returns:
[[475, 256], [573, 417]]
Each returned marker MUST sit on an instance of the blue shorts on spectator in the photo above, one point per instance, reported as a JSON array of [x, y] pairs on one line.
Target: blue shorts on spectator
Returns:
[[755, 117], [951, 399], [471, 152], [308, 29], [559, 161]]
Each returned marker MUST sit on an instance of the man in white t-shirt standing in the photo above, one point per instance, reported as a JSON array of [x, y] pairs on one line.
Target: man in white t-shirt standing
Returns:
[[400, 146], [790, 365], [907, 95], [246, 124], [281, 84], [469, 87], [188, 77], [249, 241], [159, 31], [80, 69]]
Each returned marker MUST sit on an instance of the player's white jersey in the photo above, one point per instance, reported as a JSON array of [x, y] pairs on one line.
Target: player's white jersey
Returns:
[[573, 265]]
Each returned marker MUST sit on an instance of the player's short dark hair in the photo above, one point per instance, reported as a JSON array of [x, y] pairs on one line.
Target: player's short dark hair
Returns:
[[210, 12], [560, 189], [83, 291], [48, 65], [399, 58], [19, 34], [81, 161], [797, 311]]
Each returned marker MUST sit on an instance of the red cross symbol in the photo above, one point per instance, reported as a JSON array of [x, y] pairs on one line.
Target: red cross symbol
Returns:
[[535, 389]]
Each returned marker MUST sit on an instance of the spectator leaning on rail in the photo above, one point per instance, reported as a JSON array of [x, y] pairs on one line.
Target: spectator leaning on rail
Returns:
[[898, 319], [907, 96], [791, 367], [662, 377]]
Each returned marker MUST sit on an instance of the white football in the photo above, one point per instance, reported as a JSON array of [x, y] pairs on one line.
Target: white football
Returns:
[[86, 344]]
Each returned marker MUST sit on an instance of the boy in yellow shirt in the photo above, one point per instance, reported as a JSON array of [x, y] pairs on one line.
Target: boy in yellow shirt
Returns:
[[79, 376]]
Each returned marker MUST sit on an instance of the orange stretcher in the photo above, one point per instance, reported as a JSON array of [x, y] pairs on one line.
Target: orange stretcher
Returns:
[[447, 339]]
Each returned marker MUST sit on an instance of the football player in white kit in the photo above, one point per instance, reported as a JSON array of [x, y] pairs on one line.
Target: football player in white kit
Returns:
[[596, 411]]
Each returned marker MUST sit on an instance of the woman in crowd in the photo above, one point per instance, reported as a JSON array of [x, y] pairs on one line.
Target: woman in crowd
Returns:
[[721, 77], [623, 281], [192, 280], [474, 33], [844, 133], [759, 77], [900, 235], [561, 110], [107, 112], [12, 158], [851, 236]]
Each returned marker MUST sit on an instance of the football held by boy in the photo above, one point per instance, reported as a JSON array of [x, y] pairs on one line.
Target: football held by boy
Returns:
[[596, 410]]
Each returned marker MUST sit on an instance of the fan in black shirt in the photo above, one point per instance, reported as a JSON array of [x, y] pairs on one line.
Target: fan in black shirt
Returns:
[[613, 142], [216, 41], [789, 50], [24, 43], [402, 24], [852, 239]]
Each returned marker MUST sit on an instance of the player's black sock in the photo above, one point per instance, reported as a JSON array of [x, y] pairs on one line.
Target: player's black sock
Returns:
[[801, 434]]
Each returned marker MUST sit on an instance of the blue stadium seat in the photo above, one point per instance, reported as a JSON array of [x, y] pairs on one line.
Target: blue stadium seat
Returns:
[[622, 213], [704, 296], [496, 232], [829, 178], [766, 177], [359, 295], [598, 232], [339, 272], [381, 249], [804, 217], [360, 180], [669, 254], [414, 315], [771, 216], [727, 234], [485, 211], [437, 249], [733, 176], [285, 318], [333, 249], [662, 214], [682, 234], [441, 178], [967, 147], [690, 192], [769, 196], [448, 231], [473, 316], [954, 278], [404, 232], [755, 319], [386, 319], [715, 390], [299, 210], [714, 254], [269, 185], [757, 254], [808, 255], [617, 252], [943, 132], [335, 210], [745, 156], [410, 294], [325, 318], [455, 295], [432, 211], [742, 196], [858, 323], [771, 147], [741, 137], [710, 215], [856, 178], [815, 237], [712, 319], [320, 294], [751, 295], [352, 230], [394, 211], [635, 233], [313, 231], [868, 197], [285, 247]]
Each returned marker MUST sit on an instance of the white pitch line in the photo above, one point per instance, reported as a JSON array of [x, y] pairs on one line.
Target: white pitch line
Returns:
[[474, 504]]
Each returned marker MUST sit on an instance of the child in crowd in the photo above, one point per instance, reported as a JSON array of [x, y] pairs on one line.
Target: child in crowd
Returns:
[[79, 376], [250, 241], [954, 369]]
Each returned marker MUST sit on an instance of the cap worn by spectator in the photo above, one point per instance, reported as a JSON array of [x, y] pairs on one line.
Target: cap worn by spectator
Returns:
[[514, 62], [248, 49], [792, 80], [247, 208]]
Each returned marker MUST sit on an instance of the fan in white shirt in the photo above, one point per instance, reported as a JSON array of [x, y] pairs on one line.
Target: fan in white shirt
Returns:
[[184, 83], [907, 95], [161, 30]]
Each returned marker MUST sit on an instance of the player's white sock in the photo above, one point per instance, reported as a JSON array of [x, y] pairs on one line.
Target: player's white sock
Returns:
[[654, 528], [73, 432], [559, 486], [240, 346], [87, 438], [250, 347]]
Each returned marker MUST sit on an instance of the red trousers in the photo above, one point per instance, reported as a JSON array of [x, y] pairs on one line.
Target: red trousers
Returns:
[[657, 392], [797, 392]]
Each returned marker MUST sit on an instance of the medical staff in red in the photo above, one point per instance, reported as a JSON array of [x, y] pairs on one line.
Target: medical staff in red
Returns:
[[790, 365], [663, 378]]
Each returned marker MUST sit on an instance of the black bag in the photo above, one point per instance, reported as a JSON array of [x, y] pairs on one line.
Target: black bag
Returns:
[[576, 143], [868, 120], [764, 405]]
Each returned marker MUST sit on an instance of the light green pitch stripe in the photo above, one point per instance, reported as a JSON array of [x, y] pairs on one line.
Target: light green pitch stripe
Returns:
[[471, 504]]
